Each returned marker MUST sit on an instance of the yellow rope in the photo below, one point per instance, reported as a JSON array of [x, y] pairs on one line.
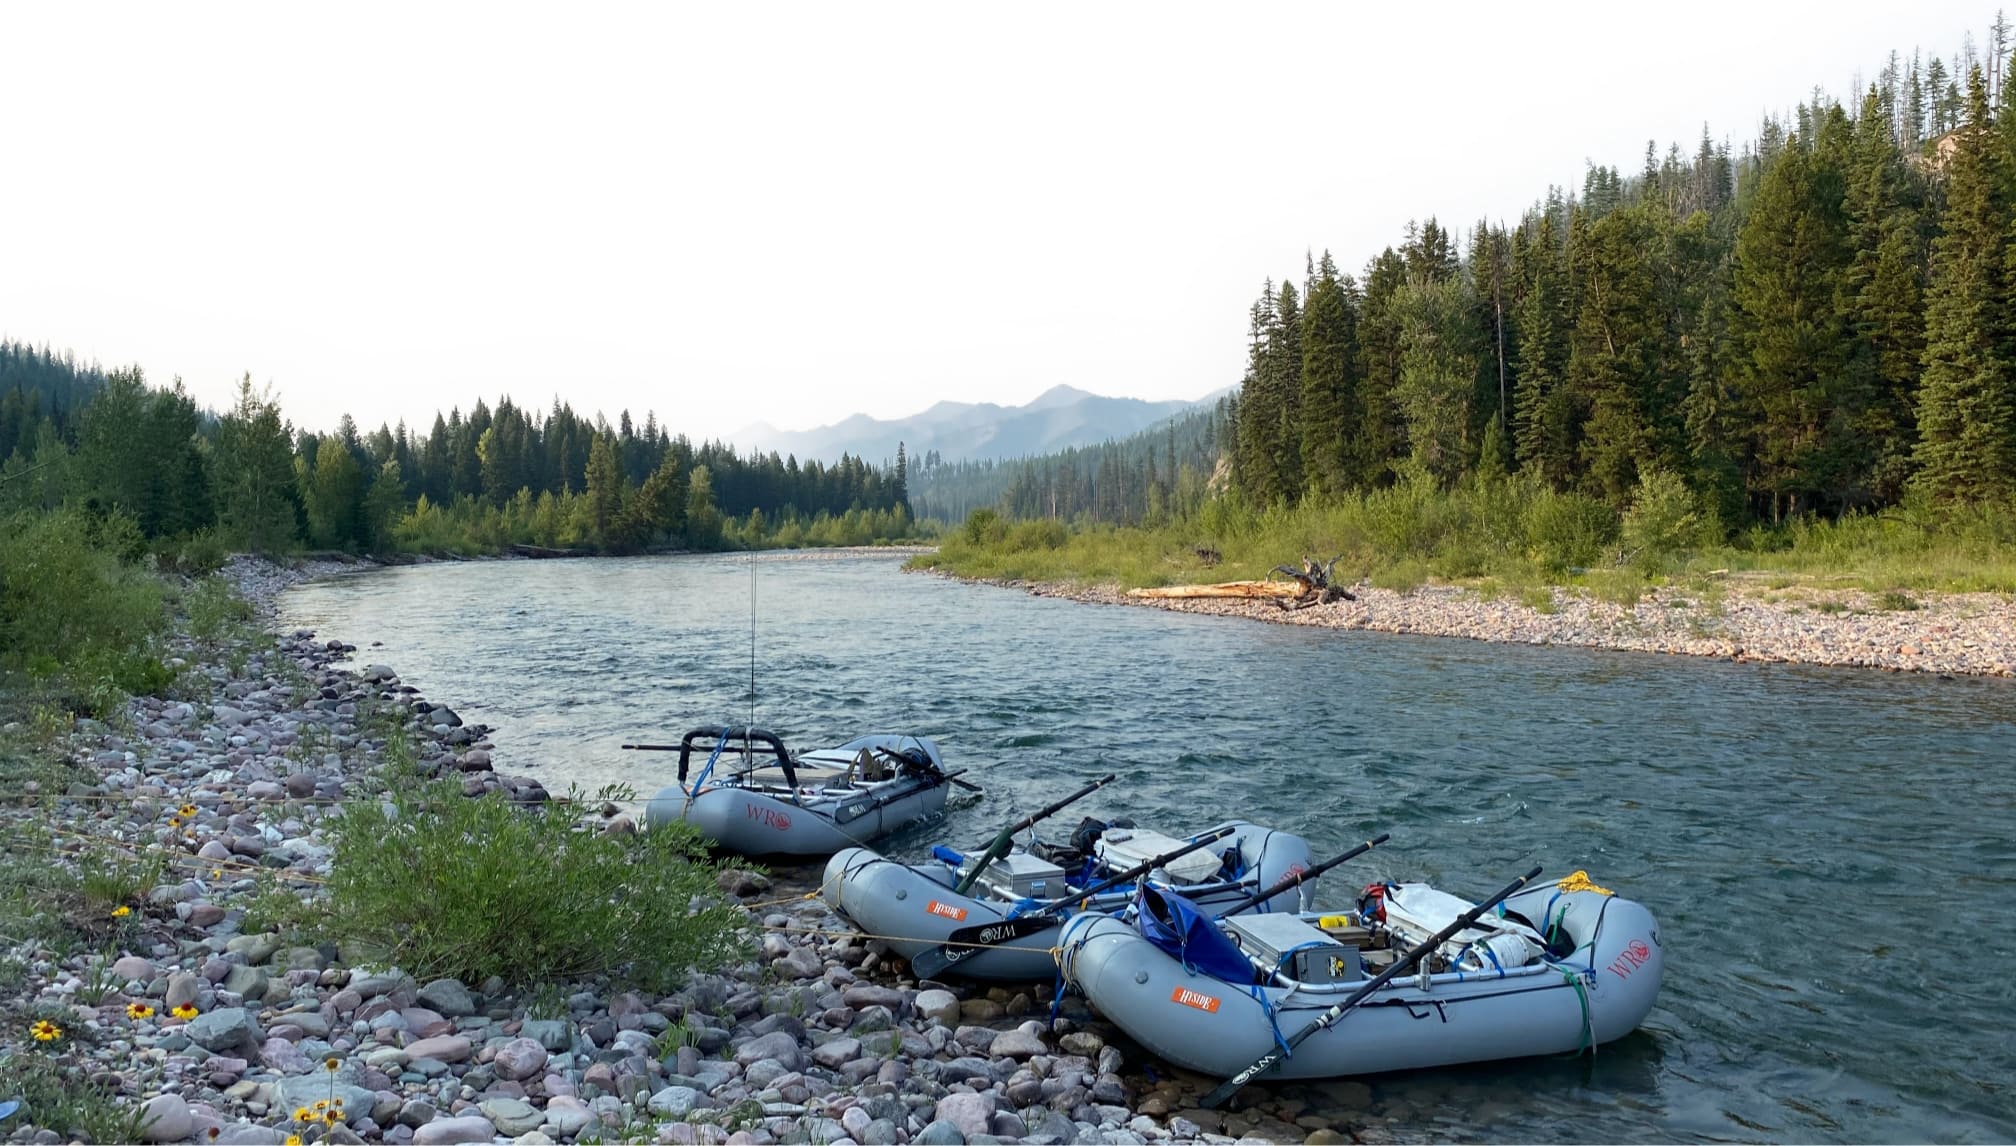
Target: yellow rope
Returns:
[[781, 902], [1579, 881]]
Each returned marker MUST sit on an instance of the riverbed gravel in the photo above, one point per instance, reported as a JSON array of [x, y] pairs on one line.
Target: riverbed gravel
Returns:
[[1971, 634], [823, 1036]]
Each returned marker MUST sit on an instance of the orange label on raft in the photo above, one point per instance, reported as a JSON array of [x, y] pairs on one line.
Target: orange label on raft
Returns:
[[947, 910], [1197, 999]]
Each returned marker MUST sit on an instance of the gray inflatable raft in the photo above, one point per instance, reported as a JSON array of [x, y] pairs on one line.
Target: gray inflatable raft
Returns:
[[913, 907], [811, 805], [1484, 1007]]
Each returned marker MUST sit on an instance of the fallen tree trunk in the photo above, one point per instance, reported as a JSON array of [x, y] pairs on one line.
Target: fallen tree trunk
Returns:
[[1225, 589]]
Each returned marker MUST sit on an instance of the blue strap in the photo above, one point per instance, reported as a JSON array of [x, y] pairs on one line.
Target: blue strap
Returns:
[[709, 769], [1022, 905]]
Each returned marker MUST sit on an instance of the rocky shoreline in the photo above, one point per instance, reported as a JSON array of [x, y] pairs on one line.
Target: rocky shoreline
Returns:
[[1953, 634], [822, 1037]]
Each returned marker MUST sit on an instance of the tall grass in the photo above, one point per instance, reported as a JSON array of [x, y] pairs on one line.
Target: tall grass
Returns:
[[1516, 533]]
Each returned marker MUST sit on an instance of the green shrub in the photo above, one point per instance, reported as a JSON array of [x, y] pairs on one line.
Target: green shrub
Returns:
[[444, 885], [196, 554], [1042, 533], [984, 527], [1897, 601], [1664, 520], [1567, 530], [215, 611], [74, 605]]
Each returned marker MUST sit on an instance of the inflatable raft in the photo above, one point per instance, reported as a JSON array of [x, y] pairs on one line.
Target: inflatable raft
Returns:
[[1566, 966], [914, 907], [813, 805]]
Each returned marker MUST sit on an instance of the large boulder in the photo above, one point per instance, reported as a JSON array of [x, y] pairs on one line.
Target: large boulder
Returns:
[[166, 1118], [777, 1044], [517, 1061], [971, 1113], [225, 1030], [444, 1048], [448, 997], [941, 1007]]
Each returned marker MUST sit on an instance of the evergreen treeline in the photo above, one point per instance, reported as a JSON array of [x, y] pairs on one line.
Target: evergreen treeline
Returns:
[[1162, 470], [111, 443], [1820, 323], [1816, 325]]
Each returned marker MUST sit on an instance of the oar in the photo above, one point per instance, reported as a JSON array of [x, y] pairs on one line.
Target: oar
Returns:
[[1306, 874], [948, 777], [1400, 966], [1006, 839], [973, 940]]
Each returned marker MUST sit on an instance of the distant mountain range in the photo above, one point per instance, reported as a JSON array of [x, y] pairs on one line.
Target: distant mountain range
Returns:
[[1059, 418]]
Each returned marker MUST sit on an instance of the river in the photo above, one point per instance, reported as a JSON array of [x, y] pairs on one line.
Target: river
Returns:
[[1831, 853]]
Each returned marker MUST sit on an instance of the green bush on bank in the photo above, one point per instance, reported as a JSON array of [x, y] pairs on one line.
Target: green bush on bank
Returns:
[[77, 606], [445, 885], [1516, 532]]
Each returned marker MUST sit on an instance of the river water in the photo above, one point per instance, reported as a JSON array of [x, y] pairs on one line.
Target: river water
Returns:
[[1831, 853]]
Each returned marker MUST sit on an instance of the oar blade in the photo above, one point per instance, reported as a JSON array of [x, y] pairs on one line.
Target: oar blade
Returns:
[[967, 942]]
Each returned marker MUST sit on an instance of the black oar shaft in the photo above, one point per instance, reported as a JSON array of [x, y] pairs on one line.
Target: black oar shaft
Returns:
[[1400, 966], [1006, 839], [1306, 874], [650, 747]]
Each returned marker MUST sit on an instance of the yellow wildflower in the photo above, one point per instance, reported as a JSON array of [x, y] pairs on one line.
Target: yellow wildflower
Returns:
[[45, 1031], [322, 1105], [186, 1011], [216, 873], [304, 1115], [293, 1140], [331, 1117], [121, 911], [186, 811], [138, 1011], [331, 1063], [174, 821]]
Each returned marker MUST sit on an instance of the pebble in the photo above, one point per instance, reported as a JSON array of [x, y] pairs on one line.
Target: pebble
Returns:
[[1949, 633]]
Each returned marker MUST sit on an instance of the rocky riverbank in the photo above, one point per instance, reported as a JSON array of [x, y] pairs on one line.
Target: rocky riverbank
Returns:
[[219, 1027], [1953, 633]]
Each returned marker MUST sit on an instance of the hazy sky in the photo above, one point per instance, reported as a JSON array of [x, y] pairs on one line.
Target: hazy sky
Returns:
[[792, 212]]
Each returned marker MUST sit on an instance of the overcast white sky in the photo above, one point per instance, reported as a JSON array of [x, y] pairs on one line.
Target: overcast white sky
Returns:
[[792, 212]]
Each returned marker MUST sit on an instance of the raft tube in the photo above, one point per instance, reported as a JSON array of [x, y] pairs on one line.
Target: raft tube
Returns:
[[913, 908], [1600, 992], [809, 820]]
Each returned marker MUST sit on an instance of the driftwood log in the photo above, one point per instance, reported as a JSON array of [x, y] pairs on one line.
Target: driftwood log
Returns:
[[1309, 585]]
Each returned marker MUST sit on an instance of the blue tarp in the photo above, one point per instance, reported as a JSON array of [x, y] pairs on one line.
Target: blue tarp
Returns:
[[1181, 928]]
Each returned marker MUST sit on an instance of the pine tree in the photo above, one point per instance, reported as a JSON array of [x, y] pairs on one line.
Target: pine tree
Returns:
[[1966, 440], [1793, 351], [335, 496], [1544, 412], [1283, 367], [604, 495], [254, 473], [1377, 439], [1330, 405], [1610, 372], [1883, 298], [1438, 373]]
